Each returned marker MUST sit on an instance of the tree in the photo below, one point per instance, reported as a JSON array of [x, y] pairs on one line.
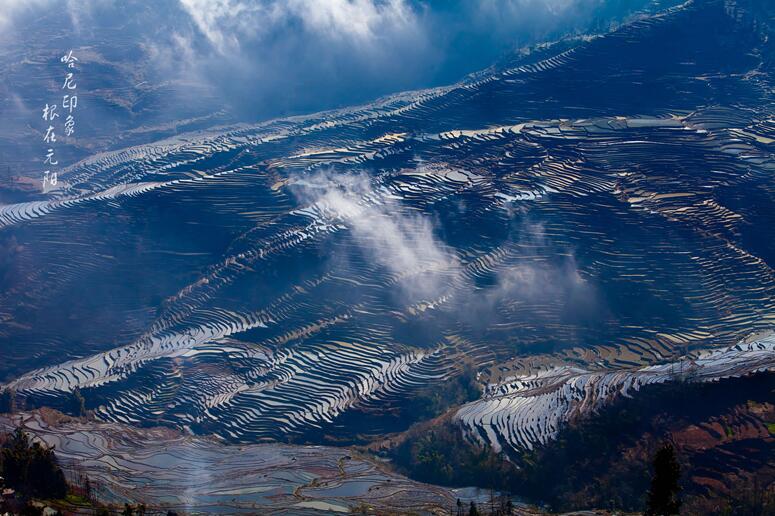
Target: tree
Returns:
[[30, 468], [14, 459], [7, 400], [77, 402], [472, 510], [44, 476], [31, 510], [505, 506], [663, 495]]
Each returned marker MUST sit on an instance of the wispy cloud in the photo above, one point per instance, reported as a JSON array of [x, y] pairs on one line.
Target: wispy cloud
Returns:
[[227, 22], [402, 242], [10, 9], [542, 284], [406, 244]]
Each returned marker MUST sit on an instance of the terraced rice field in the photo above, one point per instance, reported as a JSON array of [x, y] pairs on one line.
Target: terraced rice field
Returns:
[[520, 412], [605, 201], [170, 471]]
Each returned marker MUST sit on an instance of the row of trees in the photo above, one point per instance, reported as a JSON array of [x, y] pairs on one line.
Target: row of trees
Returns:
[[74, 404], [504, 508], [31, 468]]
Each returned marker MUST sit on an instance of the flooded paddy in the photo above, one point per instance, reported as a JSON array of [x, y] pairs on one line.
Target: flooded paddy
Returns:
[[171, 471]]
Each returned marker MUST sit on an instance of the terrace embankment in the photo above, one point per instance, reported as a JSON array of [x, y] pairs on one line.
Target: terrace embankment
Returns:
[[521, 412]]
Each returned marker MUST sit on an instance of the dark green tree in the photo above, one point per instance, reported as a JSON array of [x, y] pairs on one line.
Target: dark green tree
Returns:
[[45, 478], [31, 468], [14, 459], [663, 495], [472, 510], [31, 510], [77, 403], [7, 400]]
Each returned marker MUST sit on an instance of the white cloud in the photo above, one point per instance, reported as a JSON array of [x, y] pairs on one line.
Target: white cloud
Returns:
[[530, 281], [403, 243], [358, 19], [9, 9], [218, 19], [226, 22]]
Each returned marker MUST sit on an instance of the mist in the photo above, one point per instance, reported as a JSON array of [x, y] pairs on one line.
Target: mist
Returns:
[[249, 60]]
